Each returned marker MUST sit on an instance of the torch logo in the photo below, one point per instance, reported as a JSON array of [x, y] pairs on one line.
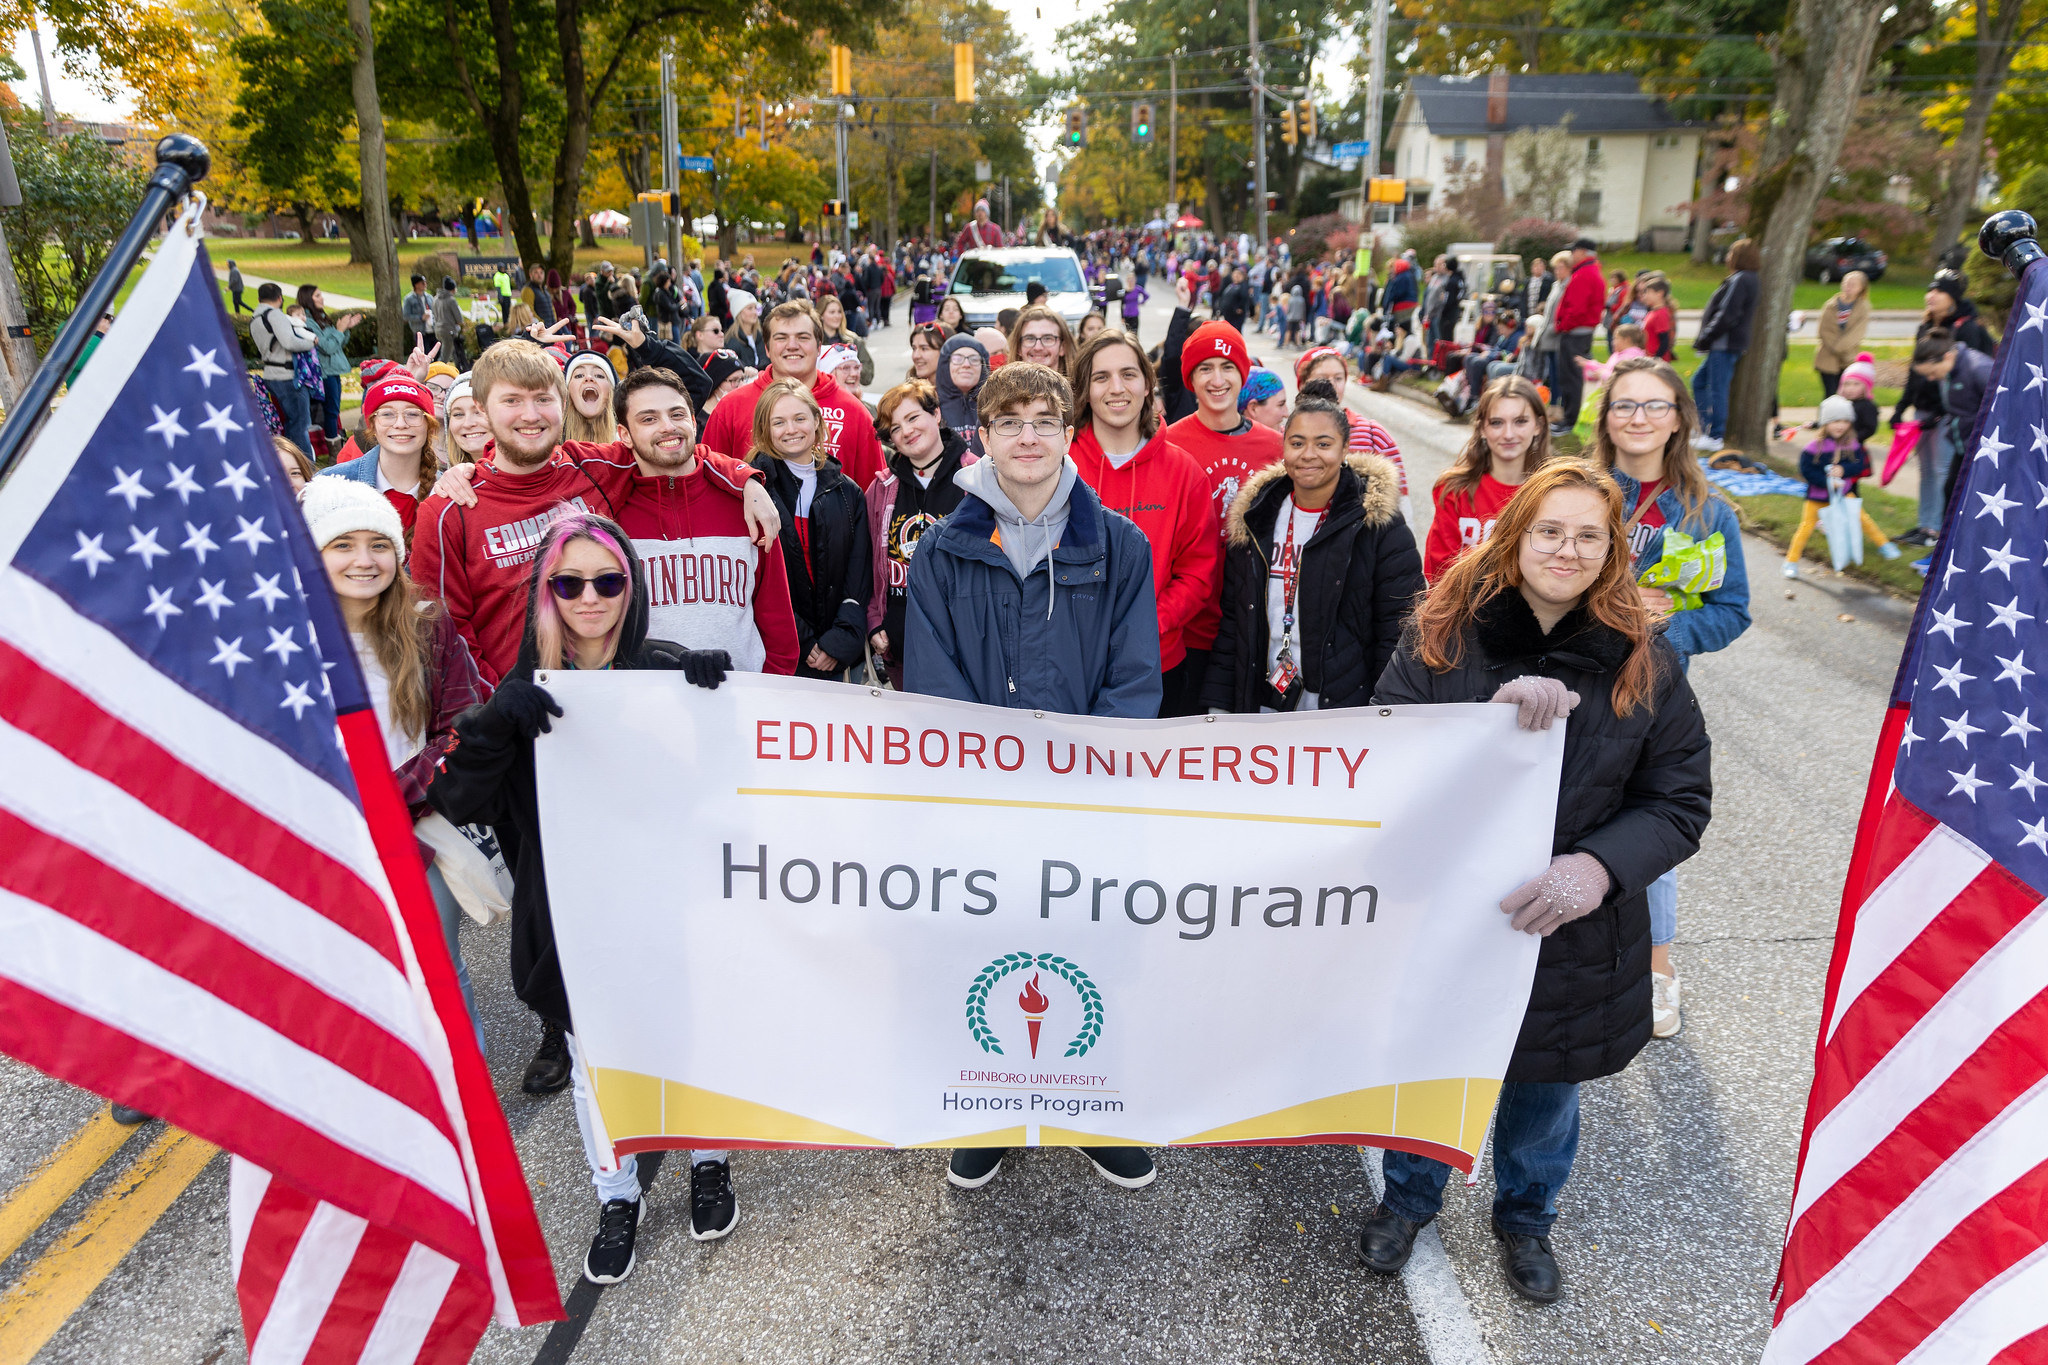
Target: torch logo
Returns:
[[1033, 1001]]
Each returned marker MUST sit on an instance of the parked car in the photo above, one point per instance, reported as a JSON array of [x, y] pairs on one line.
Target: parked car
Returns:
[[1828, 261], [990, 279]]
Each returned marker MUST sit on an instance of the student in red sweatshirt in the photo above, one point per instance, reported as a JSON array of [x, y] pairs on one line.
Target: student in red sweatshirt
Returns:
[[792, 330], [1579, 314], [1226, 445], [710, 585], [1510, 441], [1138, 472]]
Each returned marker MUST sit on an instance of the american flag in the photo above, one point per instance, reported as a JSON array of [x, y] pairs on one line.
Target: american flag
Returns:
[[1917, 1229], [212, 902]]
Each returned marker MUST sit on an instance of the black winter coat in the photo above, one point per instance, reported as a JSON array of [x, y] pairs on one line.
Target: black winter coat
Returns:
[[829, 588], [1728, 314], [1360, 575], [1636, 793], [487, 779]]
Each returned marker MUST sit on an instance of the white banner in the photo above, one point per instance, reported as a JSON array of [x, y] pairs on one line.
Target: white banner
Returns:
[[797, 913]]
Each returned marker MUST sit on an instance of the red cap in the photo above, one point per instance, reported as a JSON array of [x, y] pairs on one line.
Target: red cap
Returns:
[[398, 388], [1210, 340], [1311, 356]]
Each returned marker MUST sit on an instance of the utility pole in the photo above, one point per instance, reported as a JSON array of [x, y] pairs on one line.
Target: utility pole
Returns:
[[671, 170], [1173, 134], [17, 347], [1258, 124], [845, 217], [1375, 96], [35, 37], [931, 231]]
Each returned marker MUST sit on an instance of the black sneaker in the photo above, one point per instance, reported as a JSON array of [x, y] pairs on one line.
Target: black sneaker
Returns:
[[128, 1116], [549, 1069], [1530, 1267], [1917, 536], [973, 1167], [1130, 1167], [611, 1252], [1387, 1241], [713, 1210]]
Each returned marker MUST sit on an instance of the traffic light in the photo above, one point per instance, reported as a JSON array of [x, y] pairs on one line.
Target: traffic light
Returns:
[[835, 208], [1287, 134], [1141, 123], [1272, 200], [1077, 128], [670, 201], [842, 70], [963, 73], [1308, 120]]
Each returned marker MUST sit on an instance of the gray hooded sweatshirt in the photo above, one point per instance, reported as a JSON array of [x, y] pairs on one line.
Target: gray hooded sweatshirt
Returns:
[[1026, 544]]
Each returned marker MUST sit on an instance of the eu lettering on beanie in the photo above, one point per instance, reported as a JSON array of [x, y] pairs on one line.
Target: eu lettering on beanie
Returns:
[[1209, 341]]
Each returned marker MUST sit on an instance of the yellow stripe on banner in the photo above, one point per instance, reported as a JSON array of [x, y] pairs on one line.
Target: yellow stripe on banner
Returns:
[[59, 1177], [64, 1277], [1061, 805], [1452, 1112]]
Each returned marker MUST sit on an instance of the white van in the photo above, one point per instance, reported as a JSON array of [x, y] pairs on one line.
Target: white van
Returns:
[[989, 279]]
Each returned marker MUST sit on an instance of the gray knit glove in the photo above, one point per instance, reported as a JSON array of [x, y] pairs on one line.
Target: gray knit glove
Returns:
[[1540, 699], [1570, 888]]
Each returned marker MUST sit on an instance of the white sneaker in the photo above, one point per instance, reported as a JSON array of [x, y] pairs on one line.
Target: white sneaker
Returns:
[[1664, 1018], [1789, 569], [1705, 442]]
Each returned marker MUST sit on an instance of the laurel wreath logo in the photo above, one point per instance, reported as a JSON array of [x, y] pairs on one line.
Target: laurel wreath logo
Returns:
[[977, 999]]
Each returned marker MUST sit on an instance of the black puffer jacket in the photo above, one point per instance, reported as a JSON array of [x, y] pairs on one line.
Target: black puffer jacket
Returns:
[[829, 587], [1360, 574], [1636, 793], [487, 779]]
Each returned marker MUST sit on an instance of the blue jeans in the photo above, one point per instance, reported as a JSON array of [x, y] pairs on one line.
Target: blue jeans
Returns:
[[1710, 390], [330, 405], [451, 919], [1664, 909], [296, 408], [1535, 1138], [1934, 452]]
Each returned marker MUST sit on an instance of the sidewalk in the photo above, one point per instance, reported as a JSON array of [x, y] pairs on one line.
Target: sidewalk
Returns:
[[343, 303]]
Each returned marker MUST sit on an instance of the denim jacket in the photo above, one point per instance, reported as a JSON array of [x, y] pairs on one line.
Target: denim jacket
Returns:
[[1722, 614]]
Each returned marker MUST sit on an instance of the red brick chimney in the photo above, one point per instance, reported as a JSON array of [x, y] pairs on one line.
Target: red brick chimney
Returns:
[[1497, 99]]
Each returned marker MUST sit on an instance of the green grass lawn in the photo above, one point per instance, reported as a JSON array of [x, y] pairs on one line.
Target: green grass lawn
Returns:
[[1903, 285]]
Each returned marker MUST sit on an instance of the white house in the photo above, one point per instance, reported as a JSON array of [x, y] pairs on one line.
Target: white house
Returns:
[[1645, 162]]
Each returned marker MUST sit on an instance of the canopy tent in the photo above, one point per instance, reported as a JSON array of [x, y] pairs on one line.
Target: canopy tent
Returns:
[[1187, 220]]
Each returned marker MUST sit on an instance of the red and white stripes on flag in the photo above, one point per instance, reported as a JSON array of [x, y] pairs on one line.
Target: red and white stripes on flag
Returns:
[[1919, 1226], [209, 910]]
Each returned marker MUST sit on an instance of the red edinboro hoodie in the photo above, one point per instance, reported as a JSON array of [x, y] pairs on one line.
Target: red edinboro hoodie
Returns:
[[849, 434], [1227, 462], [1162, 490]]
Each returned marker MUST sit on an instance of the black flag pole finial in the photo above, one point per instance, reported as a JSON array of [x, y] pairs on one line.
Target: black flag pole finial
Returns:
[[2011, 238], [181, 161]]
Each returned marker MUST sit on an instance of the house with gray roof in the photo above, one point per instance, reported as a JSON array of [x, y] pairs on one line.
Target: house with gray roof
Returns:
[[1640, 162]]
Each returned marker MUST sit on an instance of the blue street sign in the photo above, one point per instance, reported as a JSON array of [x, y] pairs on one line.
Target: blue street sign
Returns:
[[1349, 151], [695, 163]]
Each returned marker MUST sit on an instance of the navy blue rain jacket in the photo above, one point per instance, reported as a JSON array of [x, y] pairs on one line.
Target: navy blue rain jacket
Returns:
[[974, 631]]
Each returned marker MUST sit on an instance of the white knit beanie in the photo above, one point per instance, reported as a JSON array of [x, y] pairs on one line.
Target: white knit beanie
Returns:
[[335, 506]]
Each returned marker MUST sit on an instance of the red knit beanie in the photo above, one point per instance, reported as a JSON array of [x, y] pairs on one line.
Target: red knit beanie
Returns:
[[1210, 340], [398, 388]]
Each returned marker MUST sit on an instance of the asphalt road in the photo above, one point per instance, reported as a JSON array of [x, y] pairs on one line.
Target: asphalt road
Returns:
[[1668, 1232]]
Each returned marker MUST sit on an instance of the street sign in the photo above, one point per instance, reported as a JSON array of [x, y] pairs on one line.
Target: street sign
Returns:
[[1350, 151], [649, 223], [695, 163], [981, 170]]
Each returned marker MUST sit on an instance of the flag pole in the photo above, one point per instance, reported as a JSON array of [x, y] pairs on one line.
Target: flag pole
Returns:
[[181, 161]]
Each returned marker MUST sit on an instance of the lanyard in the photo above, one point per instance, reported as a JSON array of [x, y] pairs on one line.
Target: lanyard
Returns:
[[1289, 565]]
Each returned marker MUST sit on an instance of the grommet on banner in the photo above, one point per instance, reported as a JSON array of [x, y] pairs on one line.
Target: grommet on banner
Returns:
[[874, 691], [1210, 719], [1386, 710], [540, 677], [1038, 715]]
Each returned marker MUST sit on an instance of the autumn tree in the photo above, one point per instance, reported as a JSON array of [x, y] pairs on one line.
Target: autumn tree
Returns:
[[2000, 31], [1112, 182]]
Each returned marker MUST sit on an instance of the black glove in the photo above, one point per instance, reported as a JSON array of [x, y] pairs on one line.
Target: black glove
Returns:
[[520, 708], [704, 667]]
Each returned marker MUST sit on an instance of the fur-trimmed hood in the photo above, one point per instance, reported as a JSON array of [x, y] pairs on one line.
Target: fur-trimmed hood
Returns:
[[1370, 479]]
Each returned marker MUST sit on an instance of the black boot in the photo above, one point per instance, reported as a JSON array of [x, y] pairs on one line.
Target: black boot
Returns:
[[1387, 1241], [549, 1069], [1530, 1267]]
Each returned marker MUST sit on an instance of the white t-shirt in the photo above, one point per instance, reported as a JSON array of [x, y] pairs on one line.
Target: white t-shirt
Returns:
[[807, 486], [398, 746], [1305, 524]]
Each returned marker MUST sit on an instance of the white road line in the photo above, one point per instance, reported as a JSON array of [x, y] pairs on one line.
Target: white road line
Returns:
[[1449, 1331]]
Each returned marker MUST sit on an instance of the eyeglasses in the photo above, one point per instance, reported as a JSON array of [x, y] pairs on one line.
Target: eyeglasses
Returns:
[[1549, 540], [1014, 426], [569, 586], [400, 414], [1656, 409], [1048, 340]]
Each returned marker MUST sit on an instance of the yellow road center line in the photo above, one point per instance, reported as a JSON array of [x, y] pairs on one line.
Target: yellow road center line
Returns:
[[64, 1277], [1061, 805], [58, 1178]]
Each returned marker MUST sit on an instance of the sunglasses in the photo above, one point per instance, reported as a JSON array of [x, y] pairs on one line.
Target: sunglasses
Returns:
[[569, 586]]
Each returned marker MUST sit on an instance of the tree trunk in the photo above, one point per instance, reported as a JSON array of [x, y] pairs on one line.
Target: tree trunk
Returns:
[[1966, 158], [303, 211], [1700, 238], [501, 121], [376, 192], [575, 146], [350, 216], [17, 351], [586, 236], [1822, 59]]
